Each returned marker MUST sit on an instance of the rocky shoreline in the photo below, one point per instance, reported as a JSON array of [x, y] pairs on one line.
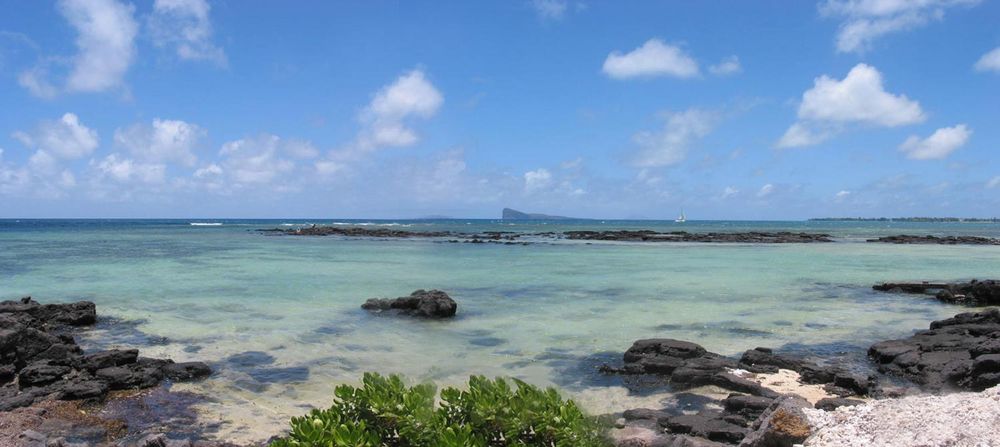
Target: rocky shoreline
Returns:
[[46, 379], [54, 394]]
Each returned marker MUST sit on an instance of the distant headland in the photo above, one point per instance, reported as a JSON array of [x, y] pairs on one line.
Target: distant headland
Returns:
[[907, 219], [511, 214]]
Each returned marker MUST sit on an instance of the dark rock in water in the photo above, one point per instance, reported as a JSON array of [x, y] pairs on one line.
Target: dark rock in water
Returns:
[[783, 424], [421, 303], [186, 371], [959, 352], [37, 348], [831, 403], [945, 240], [323, 230], [755, 237], [972, 293]]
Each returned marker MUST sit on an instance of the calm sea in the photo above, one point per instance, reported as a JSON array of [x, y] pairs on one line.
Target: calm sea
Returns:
[[279, 318]]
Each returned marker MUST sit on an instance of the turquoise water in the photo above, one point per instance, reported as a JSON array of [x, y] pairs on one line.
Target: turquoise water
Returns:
[[279, 317]]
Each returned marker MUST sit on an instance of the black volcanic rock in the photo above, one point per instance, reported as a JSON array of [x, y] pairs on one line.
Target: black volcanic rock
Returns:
[[38, 350], [755, 237], [972, 293], [420, 303], [960, 352], [943, 240]]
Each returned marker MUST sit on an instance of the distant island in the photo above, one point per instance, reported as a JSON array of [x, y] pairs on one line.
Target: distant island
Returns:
[[510, 214], [906, 219]]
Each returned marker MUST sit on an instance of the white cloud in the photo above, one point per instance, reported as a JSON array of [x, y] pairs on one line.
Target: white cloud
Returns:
[[990, 61], [384, 119], [841, 195], [550, 9], [125, 170], [35, 80], [65, 138], [859, 99], [670, 146], [185, 26], [942, 142], [994, 182], [867, 20], [162, 141], [255, 160], [765, 190], [106, 42], [799, 135], [653, 58], [212, 170], [729, 192], [301, 149], [537, 180], [728, 66]]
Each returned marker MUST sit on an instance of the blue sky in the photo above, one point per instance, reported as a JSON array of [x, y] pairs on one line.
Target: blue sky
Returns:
[[382, 109]]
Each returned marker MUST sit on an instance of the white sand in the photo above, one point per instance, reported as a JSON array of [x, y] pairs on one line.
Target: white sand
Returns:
[[786, 381], [959, 419]]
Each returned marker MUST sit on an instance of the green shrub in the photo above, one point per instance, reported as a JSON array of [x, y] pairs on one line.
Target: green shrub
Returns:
[[491, 413]]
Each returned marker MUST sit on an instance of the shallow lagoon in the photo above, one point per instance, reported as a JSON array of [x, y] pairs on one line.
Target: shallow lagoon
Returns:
[[279, 317]]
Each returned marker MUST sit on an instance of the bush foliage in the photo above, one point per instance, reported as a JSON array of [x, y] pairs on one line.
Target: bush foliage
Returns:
[[491, 413]]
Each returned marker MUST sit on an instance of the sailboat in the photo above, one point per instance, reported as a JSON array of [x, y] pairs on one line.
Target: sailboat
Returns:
[[681, 218]]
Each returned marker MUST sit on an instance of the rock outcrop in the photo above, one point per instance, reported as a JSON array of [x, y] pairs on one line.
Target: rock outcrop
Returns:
[[420, 303], [972, 293], [40, 360], [753, 237], [960, 352], [943, 240]]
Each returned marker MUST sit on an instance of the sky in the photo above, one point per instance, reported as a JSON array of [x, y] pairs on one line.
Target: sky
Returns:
[[769, 109]]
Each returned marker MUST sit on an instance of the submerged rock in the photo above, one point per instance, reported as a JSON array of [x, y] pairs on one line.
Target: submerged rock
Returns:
[[959, 352], [945, 240], [756, 237], [420, 303], [972, 293]]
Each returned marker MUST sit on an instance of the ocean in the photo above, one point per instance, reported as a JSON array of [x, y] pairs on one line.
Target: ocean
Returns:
[[279, 318]]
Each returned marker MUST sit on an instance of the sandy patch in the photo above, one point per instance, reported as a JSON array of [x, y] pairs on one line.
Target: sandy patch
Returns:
[[786, 381]]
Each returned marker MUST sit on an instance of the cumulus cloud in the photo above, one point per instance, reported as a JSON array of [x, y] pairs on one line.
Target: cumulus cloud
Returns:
[[653, 58], [105, 42], [162, 141], [841, 195], [990, 61], [65, 138], [864, 21], [184, 26], [537, 180], [939, 145], [729, 192], [124, 170], [670, 145], [728, 66], [255, 161], [799, 135], [106, 31], [859, 99], [385, 119]]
